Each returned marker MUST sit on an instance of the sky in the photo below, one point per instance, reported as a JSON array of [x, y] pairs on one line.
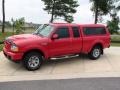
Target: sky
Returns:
[[33, 11]]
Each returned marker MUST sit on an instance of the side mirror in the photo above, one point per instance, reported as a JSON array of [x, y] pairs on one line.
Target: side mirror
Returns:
[[55, 36]]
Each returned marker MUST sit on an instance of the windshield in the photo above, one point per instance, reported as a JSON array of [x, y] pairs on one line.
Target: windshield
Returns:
[[44, 30]]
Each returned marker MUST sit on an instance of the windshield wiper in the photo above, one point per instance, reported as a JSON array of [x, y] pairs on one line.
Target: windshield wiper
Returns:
[[38, 34]]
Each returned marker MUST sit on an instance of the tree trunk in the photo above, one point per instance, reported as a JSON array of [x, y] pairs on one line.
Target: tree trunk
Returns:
[[52, 15], [96, 15], [3, 12]]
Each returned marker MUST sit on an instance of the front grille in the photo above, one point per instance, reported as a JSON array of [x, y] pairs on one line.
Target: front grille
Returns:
[[8, 44], [8, 41]]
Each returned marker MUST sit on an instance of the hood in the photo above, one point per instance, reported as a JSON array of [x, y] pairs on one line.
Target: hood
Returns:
[[26, 39], [23, 36]]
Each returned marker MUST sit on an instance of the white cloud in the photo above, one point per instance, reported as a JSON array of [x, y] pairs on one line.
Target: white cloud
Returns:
[[33, 11], [84, 15]]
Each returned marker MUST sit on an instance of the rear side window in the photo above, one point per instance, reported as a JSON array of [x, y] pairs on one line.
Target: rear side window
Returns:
[[94, 31], [76, 33], [63, 32]]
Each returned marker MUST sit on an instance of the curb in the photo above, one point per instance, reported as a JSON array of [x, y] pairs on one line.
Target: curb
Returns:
[[58, 76]]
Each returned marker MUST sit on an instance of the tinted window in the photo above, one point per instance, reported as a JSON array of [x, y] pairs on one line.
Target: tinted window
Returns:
[[63, 32], [94, 31], [76, 32]]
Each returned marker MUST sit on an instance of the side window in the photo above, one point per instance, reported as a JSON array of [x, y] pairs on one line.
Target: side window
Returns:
[[63, 32], [76, 33], [94, 31]]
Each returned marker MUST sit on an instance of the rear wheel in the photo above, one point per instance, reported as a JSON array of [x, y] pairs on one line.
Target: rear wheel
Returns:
[[32, 61], [95, 53]]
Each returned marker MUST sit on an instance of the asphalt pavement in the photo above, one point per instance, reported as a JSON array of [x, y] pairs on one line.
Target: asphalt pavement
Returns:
[[68, 84]]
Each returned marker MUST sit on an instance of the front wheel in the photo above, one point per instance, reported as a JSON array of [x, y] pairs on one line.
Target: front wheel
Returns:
[[95, 53], [32, 61]]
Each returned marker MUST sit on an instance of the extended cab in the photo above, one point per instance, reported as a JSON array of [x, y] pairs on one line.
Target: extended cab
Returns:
[[56, 40]]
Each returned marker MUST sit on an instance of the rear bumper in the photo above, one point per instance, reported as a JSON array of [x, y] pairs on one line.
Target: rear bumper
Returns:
[[16, 57]]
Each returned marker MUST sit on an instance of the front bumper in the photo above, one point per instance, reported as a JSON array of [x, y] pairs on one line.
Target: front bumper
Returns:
[[16, 57]]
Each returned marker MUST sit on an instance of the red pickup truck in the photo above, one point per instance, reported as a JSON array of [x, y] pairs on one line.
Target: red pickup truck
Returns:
[[56, 40]]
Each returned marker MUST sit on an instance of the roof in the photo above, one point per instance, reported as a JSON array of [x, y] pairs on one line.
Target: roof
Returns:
[[92, 25], [83, 25]]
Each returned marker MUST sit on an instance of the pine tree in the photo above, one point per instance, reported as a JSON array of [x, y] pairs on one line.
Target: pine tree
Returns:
[[61, 8]]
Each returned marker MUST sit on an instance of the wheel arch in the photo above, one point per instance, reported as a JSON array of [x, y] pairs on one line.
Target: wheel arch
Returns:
[[98, 44], [34, 50]]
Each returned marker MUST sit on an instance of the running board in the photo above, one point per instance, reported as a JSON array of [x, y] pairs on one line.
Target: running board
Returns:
[[64, 57]]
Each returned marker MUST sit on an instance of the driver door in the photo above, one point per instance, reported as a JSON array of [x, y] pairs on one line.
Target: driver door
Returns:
[[62, 44]]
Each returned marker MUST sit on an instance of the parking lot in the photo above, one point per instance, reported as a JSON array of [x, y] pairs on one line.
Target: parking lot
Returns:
[[75, 67]]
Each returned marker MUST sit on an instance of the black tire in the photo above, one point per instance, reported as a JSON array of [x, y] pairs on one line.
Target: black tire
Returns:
[[95, 53], [32, 61]]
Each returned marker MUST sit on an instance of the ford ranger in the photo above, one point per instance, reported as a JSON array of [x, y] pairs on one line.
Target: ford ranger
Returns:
[[57, 40]]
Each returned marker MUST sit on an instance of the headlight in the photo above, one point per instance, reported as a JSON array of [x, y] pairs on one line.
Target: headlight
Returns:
[[14, 48]]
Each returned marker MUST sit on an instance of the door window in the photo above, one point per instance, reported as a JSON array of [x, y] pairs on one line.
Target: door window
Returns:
[[76, 33], [63, 32]]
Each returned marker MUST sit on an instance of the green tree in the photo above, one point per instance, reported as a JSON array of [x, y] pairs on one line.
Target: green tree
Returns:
[[19, 25], [113, 24], [61, 8], [101, 7], [3, 13]]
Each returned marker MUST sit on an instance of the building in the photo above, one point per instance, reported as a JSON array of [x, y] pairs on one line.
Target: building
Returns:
[[31, 25]]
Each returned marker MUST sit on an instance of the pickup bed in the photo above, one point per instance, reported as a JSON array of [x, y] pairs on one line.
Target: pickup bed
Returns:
[[56, 40]]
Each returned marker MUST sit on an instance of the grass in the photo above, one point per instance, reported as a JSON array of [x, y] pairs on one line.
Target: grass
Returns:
[[115, 44], [3, 36], [10, 33], [115, 38], [1, 47]]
